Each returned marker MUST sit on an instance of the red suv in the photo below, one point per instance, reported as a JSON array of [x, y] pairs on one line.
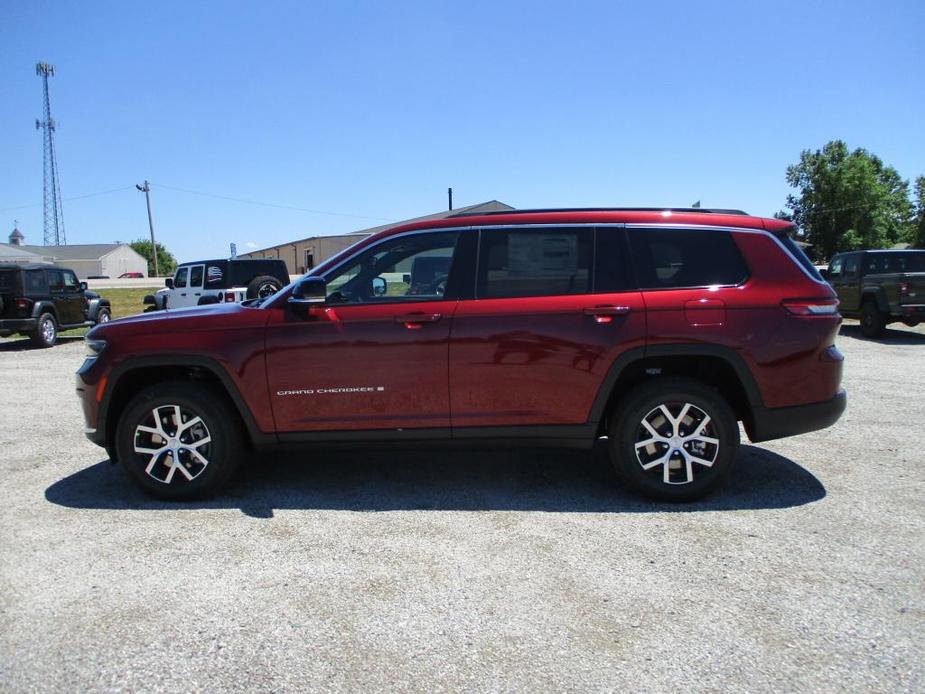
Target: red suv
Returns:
[[658, 329]]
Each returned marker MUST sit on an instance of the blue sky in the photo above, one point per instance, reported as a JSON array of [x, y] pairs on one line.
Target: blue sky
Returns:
[[373, 109]]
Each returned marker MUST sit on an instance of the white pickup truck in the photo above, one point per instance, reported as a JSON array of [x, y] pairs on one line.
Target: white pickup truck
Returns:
[[219, 281]]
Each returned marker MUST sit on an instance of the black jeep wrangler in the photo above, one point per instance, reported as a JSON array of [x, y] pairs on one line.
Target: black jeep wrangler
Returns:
[[40, 300]]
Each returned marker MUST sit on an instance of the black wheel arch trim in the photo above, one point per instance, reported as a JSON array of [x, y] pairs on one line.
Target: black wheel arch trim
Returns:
[[620, 364], [213, 366]]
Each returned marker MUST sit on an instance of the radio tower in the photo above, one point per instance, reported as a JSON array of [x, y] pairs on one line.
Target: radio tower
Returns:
[[54, 213]]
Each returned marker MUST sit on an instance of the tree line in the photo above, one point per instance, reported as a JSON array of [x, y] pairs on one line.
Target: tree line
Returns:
[[848, 200]]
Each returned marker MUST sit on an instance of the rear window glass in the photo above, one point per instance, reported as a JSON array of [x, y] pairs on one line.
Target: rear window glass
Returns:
[[797, 252], [672, 258], [534, 262], [8, 279]]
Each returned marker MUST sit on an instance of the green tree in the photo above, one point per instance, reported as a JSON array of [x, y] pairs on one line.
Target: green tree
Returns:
[[166, 263], [919, 240], [847, 200]]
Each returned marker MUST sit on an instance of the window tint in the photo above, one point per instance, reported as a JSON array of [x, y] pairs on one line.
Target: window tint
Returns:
[[851, 266], [668, 258], [610, 261], [70, 281], [877, 263], [214, 274], [55, 280], [413, 267], [534, 262], [195, 276], [180, 280], [797, 252]]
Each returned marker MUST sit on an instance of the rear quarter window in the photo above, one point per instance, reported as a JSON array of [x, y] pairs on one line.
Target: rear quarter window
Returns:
[[675, 258]]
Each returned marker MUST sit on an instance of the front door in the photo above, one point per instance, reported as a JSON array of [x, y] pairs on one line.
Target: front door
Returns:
[[374, 356], [535, 345]]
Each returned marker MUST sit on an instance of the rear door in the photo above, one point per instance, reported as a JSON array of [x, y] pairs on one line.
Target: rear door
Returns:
[[64, 288], [552, 309], [849, 288]]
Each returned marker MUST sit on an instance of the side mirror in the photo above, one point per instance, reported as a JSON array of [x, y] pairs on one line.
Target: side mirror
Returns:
[[309, 291], [825, 274], [168, 282], [379, 286], [83, 286]]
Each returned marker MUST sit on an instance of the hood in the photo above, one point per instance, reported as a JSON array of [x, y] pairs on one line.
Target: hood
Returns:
[[189, 319]]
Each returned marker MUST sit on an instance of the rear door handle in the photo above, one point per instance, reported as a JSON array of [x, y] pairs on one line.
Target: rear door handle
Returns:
[[605, 314], [414, 321]]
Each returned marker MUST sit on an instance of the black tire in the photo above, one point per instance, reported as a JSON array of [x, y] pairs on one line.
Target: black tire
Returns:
[[675, 457], [872, 321], [263, 286], [1, 305], [46, 331], [103, 316], [218, 421]]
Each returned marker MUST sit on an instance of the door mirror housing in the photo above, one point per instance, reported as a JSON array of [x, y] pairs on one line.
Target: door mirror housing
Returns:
[[309, 291], [83, 286], [168, 282], [825, 274], [379, 286]]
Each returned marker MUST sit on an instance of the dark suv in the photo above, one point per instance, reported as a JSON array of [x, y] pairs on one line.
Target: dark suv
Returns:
[[658, 329], [40, 300]]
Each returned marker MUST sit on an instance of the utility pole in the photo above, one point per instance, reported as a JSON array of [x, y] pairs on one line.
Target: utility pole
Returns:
[[51, 190], [146, 189]]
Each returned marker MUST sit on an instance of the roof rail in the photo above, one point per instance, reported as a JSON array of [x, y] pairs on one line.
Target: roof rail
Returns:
[[685, 210]]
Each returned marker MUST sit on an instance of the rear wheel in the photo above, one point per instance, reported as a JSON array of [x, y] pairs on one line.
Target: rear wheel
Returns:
[[673, 439], [262, 287], [179, 441], [872, 321], [46, 331]]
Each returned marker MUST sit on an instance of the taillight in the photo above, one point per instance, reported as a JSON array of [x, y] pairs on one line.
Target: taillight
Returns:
[[23, 305], [229, 296], [904, 288], [811, 307]]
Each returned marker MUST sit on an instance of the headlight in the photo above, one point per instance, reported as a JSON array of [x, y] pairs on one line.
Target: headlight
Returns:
[[94, 347]]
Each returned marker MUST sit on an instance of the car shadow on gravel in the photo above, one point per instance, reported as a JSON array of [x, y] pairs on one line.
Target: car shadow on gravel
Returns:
[[26, 344], [445, 480], [890, 336]]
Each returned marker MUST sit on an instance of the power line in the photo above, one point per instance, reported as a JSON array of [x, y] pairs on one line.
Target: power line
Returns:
[[76, 197], [271, 204]]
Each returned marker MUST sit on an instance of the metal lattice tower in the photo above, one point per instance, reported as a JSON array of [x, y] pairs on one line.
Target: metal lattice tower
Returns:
[[54, 212]]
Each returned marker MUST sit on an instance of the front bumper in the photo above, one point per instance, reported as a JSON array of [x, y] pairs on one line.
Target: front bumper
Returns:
[[777, 422]]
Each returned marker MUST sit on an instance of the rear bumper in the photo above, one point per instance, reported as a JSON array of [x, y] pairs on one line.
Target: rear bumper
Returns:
[[8, 326], [778, 422]]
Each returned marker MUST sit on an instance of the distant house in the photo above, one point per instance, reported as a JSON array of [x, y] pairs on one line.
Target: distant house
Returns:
[[87, 260], [16, 254], [94, 259], [302, 255]]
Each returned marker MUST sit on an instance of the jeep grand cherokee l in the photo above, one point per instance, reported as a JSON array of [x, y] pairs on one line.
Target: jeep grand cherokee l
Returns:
[[659, 329]]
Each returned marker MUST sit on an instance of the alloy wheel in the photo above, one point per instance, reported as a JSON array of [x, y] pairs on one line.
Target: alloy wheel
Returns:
[[174, 439], [674, 439]]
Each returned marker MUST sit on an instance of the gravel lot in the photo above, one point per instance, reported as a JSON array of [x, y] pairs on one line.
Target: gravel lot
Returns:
[[444, 571]]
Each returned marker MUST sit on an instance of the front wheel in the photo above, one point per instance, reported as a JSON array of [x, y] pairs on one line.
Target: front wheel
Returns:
[[673, 439], [179, 441], [104, 316]]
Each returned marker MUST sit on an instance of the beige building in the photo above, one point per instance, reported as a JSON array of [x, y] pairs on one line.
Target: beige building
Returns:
[[301, 256]]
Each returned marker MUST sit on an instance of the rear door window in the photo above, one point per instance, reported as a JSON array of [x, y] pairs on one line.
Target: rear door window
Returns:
[[539, 261], [675, 258], [195, 276]]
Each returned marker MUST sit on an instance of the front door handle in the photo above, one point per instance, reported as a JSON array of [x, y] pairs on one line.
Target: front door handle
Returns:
[[413, 321], [605, 314]]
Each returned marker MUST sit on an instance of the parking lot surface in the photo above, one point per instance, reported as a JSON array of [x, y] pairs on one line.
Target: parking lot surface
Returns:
[[435, 570]]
